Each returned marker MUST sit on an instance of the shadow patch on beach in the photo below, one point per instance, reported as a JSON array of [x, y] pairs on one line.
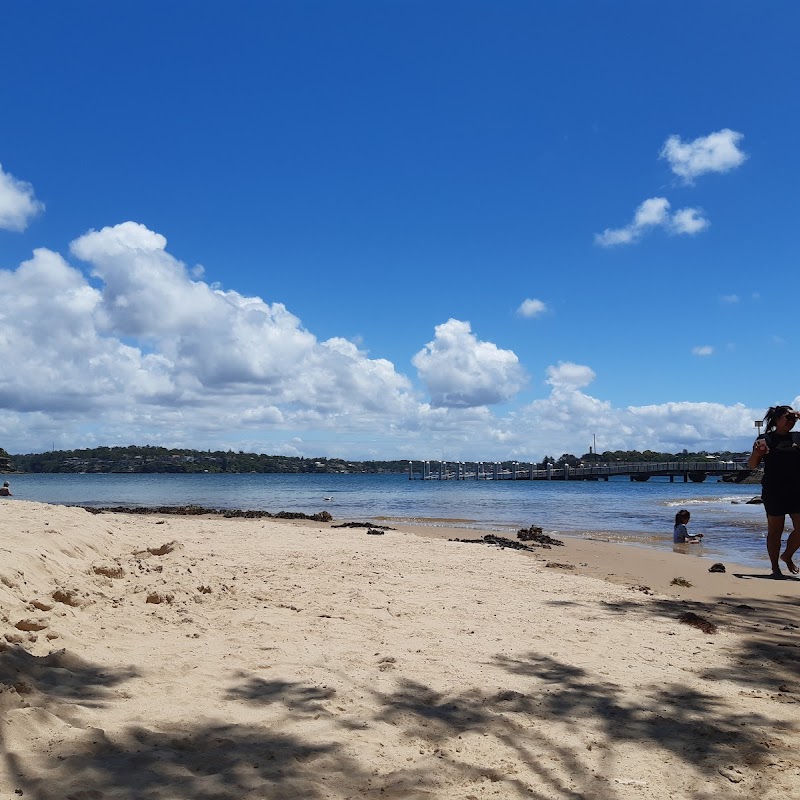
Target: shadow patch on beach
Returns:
[[60, 676], [441, 719], [697, 727], [768, 652], [245, 762], [564, 603], [296, 697], [218, 762]]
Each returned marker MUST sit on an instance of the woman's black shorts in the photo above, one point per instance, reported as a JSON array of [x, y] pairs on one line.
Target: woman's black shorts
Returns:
[[779, 504]]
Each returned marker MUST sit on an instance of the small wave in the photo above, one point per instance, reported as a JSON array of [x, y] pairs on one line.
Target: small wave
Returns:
[[705, 501], [452, 521]]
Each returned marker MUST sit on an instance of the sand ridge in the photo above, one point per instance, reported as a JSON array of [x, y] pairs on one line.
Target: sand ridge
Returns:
[[178, 657]]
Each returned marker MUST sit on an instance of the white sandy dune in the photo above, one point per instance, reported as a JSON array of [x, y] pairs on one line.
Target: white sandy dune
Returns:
[[213, 659]]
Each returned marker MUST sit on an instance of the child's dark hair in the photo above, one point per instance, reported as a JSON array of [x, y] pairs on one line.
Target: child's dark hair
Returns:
[[682, 516], [774, 413]]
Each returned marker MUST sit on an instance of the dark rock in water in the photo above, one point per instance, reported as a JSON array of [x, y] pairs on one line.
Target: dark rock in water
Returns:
[[534, 534], [755, 501], [753, 478], [744, 477], [717, 567], [528, 534]]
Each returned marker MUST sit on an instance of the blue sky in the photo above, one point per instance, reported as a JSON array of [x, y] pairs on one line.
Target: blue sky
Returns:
[[312, 227]]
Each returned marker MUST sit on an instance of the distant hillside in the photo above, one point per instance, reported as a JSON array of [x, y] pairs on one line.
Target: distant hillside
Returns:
[[161, 459]]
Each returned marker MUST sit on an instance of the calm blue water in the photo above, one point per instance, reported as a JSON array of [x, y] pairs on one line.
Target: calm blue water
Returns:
[[635, 513]]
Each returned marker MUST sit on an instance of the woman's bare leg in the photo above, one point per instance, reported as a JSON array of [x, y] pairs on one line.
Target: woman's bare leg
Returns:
[[792, 543], [774, 533]]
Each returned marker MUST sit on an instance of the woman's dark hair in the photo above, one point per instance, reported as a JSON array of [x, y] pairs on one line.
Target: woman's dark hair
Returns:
[[682, 515], [774, 413]]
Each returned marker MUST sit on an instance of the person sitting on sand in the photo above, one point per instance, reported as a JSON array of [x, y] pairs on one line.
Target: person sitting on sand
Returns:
[[4, 490], [778, 450], [679, 533]]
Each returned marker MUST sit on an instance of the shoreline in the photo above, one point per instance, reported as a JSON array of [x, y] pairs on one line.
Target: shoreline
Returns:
[[184, 657], [652, 568], [734, 531], [636, 539]]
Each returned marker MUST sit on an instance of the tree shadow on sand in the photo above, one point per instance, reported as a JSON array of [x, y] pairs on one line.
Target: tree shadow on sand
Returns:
[[766, 655], [564, 705], [296, 697], [670, 717], [218, 762], [544, 729], [49, 685], [558, 733], [170, 762], [59, 676]]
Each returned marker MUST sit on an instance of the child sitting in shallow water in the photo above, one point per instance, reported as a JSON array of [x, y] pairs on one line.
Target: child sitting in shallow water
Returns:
[[679, 533]]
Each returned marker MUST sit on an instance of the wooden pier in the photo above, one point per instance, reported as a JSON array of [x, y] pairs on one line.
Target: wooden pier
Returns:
[[695, 471]]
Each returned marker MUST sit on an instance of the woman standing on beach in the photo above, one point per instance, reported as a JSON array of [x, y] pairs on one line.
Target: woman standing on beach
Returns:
[[779, 450]]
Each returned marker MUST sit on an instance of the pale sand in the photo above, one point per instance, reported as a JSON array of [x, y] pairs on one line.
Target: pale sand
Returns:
[[294, 660]]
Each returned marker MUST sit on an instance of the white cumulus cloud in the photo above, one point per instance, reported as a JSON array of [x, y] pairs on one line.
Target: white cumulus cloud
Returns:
[[151, 348], [531, 307], [18, 203], [717, 152], [689, 221], [461, 371], [654, 213], [568, 375], [703, 350], [569, 420]]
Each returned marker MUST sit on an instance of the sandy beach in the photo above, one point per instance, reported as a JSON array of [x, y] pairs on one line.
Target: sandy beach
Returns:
[[190, 657]]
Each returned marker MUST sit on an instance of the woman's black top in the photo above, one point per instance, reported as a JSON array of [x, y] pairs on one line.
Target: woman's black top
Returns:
[[782, 463]]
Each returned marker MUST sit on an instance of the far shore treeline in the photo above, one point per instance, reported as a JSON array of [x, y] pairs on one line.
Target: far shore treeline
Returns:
[[161, 459]]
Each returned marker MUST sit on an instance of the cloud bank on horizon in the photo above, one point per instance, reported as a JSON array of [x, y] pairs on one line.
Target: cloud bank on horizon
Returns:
[[133, 348]]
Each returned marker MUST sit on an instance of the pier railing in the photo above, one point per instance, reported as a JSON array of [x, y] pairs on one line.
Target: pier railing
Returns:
[[696, 471]]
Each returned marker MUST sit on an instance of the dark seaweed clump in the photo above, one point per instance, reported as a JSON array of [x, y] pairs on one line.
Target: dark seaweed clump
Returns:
[[498, 541], [190, 510], [534, 534], [361, 525], [690, 618]]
